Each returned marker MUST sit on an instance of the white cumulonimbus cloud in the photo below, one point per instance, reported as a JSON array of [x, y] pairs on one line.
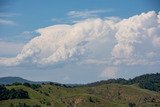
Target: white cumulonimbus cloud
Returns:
[[134, 37]]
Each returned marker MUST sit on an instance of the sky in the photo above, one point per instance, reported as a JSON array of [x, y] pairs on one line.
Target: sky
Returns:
[[79, 41]]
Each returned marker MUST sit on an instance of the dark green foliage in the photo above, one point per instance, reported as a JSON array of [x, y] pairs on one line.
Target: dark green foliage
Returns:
[[48, 104], [33, 86], [22, 105], [11, 105], [91, 100], [3, 93], [132, 105], [146, 81], [27, 84], [18, 94], [12, 94], [51, 83], [37, 105], [61, 85], [119, 81], [17, 83], [55, 84]]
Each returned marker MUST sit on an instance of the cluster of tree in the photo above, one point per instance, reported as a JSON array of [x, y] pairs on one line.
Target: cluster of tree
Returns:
[[6, 94], [131, 104], [33, 86], [119, 81], [60, 85], [146, 81], [23, 105]]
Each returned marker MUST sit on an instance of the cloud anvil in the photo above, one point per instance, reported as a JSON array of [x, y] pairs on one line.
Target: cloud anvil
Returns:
[[64, 42]]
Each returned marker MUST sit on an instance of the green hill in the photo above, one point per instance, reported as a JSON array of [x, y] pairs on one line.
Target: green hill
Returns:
[[141, 91], [11, 80], [106, 95], [146, 81]]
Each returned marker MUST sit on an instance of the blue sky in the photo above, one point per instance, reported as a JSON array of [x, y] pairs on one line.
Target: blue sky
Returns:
[[23, 20], [35, 14]]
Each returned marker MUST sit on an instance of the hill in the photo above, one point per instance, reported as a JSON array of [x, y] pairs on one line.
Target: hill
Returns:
[[11, 80], [106, 95], [146, 81]]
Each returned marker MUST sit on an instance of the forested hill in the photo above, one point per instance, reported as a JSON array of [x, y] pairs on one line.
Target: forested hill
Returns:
[[146, 81], [109, 93], [11, 80]]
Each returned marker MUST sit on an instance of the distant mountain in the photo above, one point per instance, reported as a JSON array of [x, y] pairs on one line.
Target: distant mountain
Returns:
[[146, 81], [11, 80]]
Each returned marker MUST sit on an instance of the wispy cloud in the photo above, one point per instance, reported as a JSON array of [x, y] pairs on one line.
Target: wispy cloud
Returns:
[[77, 16], [9, 14], [4, 21], [87, 13], [7, 22], [62, 20]]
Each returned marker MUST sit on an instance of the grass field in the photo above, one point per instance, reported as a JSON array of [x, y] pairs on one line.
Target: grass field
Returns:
[[106, 95]]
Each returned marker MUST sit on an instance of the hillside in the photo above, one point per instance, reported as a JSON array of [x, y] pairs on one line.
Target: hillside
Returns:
[[11, 80], [146, 81], [106, 95]]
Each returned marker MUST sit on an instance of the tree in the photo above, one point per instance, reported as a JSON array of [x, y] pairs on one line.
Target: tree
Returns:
[[132, 105], [12, 94]]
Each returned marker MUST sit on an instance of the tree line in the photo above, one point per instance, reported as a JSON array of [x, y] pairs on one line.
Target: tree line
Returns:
[[6, 94], [146, 81]]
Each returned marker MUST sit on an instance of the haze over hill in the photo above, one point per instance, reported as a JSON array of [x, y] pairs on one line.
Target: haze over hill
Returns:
[[147, 81], [11, 80]]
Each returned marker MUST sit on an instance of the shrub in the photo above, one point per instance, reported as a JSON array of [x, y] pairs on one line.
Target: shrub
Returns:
[[22, 105], [17, 83], [131, 104], [37, 105], [33, 86], [6, 94]]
